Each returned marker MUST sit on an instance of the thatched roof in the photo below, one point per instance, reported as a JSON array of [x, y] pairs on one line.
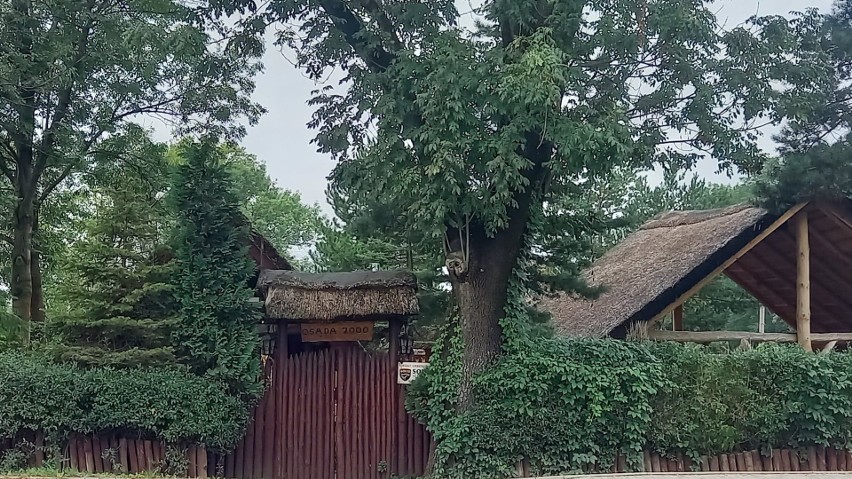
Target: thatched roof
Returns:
[[652, 267], [338, 296]]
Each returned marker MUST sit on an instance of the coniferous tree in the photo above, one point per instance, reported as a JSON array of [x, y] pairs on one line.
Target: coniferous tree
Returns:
[[215, 332], [117, 299]]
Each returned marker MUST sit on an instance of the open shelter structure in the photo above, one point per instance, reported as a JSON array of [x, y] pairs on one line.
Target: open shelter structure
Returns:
[[798, 264]]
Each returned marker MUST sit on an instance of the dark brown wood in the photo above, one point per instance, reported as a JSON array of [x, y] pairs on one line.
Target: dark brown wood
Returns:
[[677, 318], [831, 460], [201, 460], [739, 460], [655, 463], [813, 464], [257, 460], [766, 462], [714, 463], [72, 453], [795, 461], [786, 460], [192, 459], [149, 455], [89, 454], [123, 456], [842, 465], [132, 456], [98, 454], [269, 423]]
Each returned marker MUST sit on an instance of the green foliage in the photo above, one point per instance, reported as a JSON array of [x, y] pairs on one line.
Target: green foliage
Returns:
[[822, 173], [166, 403], [215, 331], [116, 290], [571, 406]]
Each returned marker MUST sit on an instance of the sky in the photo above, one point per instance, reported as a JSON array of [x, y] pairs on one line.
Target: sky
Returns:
[[282, 140]]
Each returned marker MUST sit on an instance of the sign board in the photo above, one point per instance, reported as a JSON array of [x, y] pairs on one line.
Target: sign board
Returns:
[[406, 372], [345, 331]]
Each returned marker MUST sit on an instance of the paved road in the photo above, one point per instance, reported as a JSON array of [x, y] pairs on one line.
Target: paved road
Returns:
[[717, 475]]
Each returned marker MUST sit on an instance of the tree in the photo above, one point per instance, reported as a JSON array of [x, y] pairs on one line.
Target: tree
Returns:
[[215, 331], [119, 303], [278, 214], [75, 73], [467, 131]]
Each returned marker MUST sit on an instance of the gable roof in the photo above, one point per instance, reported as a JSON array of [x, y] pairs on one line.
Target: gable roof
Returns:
[[652, 267], [334, 296], [671, 255]]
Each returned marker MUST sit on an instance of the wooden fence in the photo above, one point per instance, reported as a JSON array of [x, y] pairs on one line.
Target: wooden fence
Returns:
[[105, 454], [334, 413], [779, 460]]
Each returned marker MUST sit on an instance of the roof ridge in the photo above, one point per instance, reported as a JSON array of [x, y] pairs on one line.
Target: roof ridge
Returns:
[[675, 218]]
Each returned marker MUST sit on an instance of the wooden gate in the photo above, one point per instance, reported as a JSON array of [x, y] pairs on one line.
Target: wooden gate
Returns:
[[336, 413]]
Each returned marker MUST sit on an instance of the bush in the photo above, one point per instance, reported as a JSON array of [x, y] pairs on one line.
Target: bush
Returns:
[[166, 403], [569, 406]]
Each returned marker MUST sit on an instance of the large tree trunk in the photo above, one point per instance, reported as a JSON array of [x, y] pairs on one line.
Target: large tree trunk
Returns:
[[37, 303], [22, 279], [22, 247], [481, 295], [486, 263]]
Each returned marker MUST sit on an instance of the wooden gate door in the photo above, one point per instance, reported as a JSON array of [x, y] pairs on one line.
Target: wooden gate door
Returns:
[[333, 414]]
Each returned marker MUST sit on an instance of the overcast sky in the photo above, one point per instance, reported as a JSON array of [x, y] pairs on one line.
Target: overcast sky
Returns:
[[282, 140]]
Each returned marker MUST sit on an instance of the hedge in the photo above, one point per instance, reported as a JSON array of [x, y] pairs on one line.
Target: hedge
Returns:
[[167, 403], [568, 406]]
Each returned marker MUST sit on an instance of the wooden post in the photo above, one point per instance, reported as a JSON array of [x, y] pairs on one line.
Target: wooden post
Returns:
[[677, 318], [803, 282], [761, 323]]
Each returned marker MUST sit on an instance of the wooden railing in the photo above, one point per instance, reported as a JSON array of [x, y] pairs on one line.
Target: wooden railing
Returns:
[[716, 336]]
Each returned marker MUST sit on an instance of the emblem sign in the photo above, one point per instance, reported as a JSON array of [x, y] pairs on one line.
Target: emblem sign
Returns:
[[407, 372]]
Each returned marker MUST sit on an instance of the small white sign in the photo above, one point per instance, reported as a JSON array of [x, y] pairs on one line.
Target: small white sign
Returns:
[[407, 372]]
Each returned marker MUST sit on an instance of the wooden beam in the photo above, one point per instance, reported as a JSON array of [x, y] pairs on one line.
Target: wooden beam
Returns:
[[677, 319], [739, 254], [803, 282], [716, 336]]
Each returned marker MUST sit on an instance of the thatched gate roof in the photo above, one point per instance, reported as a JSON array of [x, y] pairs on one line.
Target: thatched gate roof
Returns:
[[652, 267], [338, 296]]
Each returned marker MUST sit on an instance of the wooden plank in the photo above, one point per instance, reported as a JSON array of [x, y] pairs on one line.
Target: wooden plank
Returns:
[[677, 318], [192, 461], [269, 418], [803, 282], [201, 460], [813, 465], [72, 453], [715, 336], [842, 464], [149, 455], [132, 457], [97, 455], [786, 460], [123, 457], [776, 460], [655, 463], [39, 449], [725, 463], [745, 249], [831, 460], [748, 461], [713, 464], [89, 454], [821, 459], [767, 463], [339, 331], [795, 461]]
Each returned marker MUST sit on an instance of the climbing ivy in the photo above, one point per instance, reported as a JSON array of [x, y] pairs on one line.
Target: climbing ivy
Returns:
[[571, 406]]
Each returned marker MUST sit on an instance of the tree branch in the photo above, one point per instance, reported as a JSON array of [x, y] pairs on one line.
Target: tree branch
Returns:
[[64, 96], [377, 58]]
